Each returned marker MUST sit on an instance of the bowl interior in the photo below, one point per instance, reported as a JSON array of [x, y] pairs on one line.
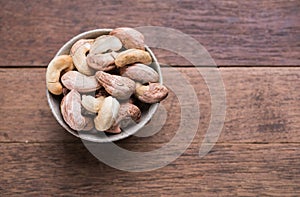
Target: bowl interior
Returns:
[[94, 135]]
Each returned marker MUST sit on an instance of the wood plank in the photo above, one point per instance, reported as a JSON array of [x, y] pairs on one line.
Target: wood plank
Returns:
[[263, 106], [234, 32], [69, 169]]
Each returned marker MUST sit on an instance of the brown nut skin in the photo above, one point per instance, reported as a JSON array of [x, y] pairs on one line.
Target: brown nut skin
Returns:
[[103, 62], [54, 69], [119, 87], [131, 56], [128, 114], [114, 129], [140, 73], [153, 93], [130, 37], [71, 112], [80, 82], [65, 91]]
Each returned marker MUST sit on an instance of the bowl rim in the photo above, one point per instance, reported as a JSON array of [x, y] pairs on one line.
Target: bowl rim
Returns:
[[93, 137]]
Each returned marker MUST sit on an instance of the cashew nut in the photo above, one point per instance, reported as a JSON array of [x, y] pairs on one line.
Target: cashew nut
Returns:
[[100, 61], [79, 43], [79, 52], [117, 86], [114, 129], [106, 43], [80, 82], [107, 114], [91, 103], [130, 38], [140, 72], [88, 113], [71, 112], [131, 56], [54, 69], [152, 93], [128, 114]]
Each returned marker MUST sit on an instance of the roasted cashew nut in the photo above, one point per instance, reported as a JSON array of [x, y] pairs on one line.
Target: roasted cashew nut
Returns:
[[79, 52], [102, 53], [131, 56], [91, 103], [152, 93], [80, 82], [54, 69], [104, 62], [79, 43], [140, 72], [114, 129], [130, 37], [128, 114], [107, 114], [105, 44], [120, 87], [71, 112]]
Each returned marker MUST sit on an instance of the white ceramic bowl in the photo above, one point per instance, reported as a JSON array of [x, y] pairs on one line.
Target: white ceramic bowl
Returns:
[[96, 136]]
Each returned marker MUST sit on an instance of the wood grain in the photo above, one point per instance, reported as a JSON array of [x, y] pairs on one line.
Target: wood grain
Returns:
[[228, 170], [258, 151], [234, 32], [262, 106]]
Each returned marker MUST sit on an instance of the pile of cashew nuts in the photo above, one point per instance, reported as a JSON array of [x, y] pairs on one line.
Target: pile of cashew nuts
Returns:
[[105, 82]]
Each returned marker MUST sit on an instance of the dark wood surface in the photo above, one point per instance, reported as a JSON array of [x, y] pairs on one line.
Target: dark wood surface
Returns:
[[259, 32], [257, 45], [262, 106]]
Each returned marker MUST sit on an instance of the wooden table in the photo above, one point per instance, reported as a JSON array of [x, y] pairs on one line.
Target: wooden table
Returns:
[[256, 45]]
